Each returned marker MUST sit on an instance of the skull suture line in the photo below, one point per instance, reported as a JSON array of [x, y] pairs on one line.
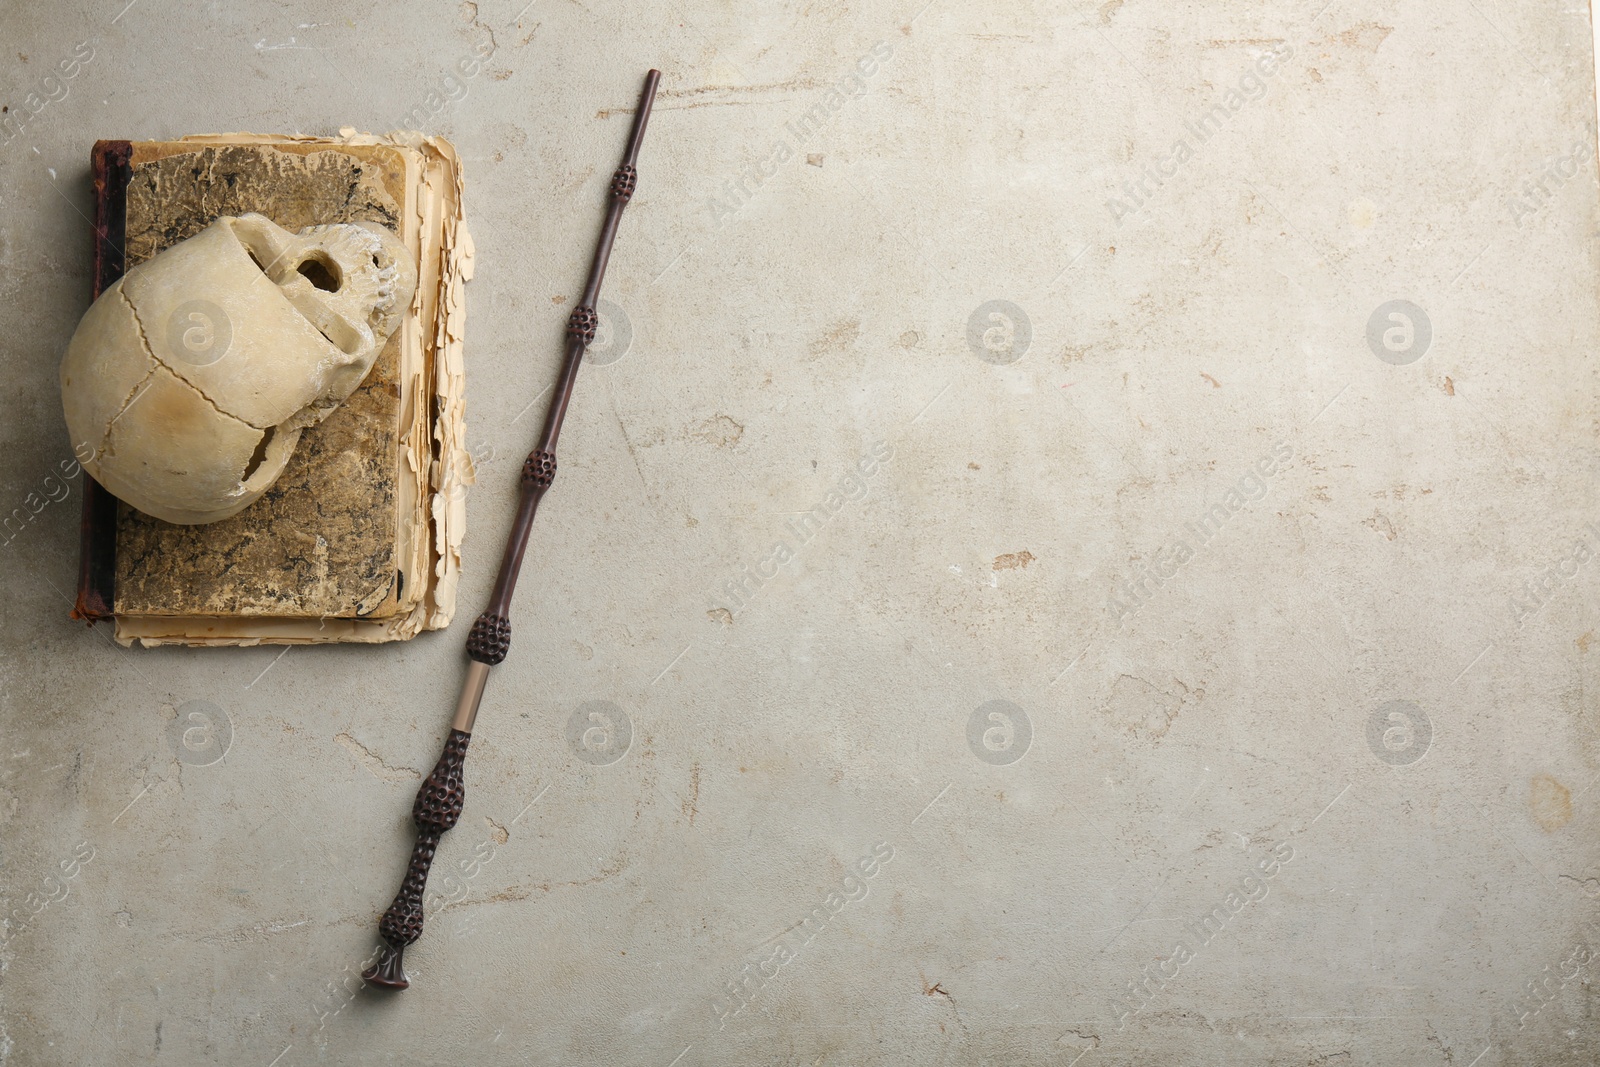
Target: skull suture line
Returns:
[[194, 375]]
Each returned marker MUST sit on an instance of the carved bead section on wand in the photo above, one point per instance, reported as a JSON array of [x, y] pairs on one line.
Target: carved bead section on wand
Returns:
[[490, 638], [582, 324], [437, 810], [539, 470], [623, 182]]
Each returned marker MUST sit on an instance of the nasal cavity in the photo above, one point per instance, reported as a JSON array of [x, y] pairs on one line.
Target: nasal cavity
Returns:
[[322, 273]]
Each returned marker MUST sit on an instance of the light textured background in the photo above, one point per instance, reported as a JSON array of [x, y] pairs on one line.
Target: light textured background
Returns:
[[164, 908]]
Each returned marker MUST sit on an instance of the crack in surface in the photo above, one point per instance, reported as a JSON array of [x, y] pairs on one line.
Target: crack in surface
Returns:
[[144, 338], [513, 893], [374, 763], [134, 394]]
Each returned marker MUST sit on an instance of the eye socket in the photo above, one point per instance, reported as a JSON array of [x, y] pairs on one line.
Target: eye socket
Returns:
[[321, 272]]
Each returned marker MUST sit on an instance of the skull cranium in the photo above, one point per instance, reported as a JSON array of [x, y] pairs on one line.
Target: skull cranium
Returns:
[[192, 376]]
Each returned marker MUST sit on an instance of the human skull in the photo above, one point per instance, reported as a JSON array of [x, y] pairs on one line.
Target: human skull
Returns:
[[193, 375]]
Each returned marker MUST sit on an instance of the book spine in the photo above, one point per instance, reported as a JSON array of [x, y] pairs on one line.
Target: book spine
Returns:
[[111, 164]]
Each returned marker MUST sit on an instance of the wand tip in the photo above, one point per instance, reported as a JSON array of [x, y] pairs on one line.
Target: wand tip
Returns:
[[389, 972]]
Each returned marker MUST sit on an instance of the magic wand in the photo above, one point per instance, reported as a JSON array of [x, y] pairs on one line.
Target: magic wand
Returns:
[[439, 801]]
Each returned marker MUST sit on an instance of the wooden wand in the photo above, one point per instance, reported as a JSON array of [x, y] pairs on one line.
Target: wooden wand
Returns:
[[439, 801]]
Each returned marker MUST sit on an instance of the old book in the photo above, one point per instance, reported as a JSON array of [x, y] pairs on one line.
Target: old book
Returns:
[[359, 539]]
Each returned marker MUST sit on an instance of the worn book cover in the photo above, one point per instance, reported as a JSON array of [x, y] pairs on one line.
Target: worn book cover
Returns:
[[359, 539]]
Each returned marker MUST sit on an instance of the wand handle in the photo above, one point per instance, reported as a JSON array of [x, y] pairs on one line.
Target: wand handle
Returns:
[[439, 801]]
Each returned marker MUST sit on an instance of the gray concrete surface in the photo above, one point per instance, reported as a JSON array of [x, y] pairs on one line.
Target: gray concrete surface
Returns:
[[1311, 782]]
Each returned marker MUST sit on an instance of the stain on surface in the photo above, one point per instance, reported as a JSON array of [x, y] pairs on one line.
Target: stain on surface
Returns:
[[691, 802], [505, 896], [1248, 42], [840, 335], [1146, 711], [718, 430], [1014, 560], [1550, 802], [1379, 524], [1365, 36]]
